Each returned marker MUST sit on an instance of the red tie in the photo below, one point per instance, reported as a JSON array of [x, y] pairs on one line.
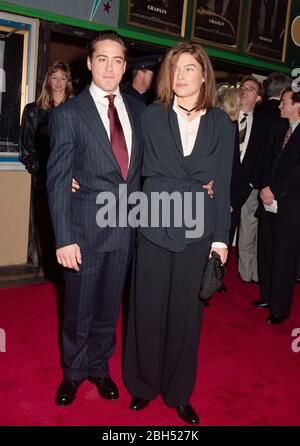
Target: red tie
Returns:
[[117, 138]]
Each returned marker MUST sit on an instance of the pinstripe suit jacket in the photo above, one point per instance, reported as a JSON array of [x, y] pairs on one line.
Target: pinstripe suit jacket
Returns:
[[80, 148]]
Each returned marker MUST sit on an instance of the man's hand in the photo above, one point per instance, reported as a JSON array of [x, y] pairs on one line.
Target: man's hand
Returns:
[[210, 188], [69, 256], [223, 253], [266, 195], [75, 185]]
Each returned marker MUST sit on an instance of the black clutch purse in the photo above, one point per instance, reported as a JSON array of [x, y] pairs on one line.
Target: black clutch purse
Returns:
[[212, 277]]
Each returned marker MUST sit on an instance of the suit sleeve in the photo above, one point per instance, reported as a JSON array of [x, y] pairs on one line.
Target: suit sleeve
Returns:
[[285, 184], [225, 148], [59, 173]]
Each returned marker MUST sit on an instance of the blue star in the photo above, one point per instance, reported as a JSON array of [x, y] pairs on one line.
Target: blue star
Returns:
[[94, 8]]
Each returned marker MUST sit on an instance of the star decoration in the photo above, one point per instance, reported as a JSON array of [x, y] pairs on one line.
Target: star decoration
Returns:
[[106, 7]]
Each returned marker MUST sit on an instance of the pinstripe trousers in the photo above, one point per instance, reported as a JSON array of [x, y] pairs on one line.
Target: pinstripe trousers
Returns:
[[91, 309]]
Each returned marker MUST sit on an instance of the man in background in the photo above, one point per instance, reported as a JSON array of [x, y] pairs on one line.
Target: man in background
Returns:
[[279, 228], [143, 78], [246, 179]]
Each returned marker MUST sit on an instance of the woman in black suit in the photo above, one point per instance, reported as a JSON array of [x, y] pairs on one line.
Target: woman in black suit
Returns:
[[187, 143]]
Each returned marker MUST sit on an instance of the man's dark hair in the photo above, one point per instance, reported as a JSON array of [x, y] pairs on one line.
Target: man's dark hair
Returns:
[[276, 83], [295, 96], [105, 35]]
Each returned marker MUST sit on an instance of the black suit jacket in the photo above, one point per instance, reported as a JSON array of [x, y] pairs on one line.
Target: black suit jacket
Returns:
[[249, 171], [165, 169], [269, 114], [80, 148], [282, 175]]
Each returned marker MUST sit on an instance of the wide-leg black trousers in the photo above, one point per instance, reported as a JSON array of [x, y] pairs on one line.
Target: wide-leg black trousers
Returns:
[[164, 321]]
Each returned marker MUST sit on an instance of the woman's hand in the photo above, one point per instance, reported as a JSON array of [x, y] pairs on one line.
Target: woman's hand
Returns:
[[223, 253], [210, 188], [75, 185]]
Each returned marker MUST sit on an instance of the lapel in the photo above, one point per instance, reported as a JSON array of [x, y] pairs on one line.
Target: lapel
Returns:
[[134, 133], [173, 122], [290, 145], [250, 152], [205, 136], [284, 156], [89, 114], [293, 137]]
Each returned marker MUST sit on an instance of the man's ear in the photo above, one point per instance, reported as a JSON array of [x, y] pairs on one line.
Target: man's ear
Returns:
[[88, 62]]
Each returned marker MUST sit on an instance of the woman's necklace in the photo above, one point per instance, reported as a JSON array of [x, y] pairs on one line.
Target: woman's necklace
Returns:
[[188, 112], [57, 103]]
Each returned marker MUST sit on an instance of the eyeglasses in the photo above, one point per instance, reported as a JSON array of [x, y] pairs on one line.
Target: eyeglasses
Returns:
[[249, 89]]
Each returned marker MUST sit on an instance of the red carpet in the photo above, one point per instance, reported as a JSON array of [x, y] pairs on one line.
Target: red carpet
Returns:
[[247, 375]]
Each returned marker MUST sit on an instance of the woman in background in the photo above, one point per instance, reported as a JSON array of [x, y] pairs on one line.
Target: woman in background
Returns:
[[229, 99], [34, 153]]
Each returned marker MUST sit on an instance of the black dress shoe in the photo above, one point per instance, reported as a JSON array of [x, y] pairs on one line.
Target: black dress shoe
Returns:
[[260, 304], [222, 289], [66, 392], [138, 403], [106, 387], [275, 319], [187, 414]]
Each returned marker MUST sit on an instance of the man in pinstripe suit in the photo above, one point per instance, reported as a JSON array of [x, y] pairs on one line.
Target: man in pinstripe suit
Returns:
[[96, 259]]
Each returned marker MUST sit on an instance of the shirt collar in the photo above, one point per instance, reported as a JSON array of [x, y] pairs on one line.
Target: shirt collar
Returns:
[[295, 124], [99, 94], [241, 114]]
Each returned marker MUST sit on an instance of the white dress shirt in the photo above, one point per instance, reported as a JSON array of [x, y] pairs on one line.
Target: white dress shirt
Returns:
[[295, 124], [101, 103], [188, 134], [188, 129], [249, 121]]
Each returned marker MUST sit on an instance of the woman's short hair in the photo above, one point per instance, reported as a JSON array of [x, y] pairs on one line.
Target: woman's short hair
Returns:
[[228, 99], [167, 72], [45, 99]]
